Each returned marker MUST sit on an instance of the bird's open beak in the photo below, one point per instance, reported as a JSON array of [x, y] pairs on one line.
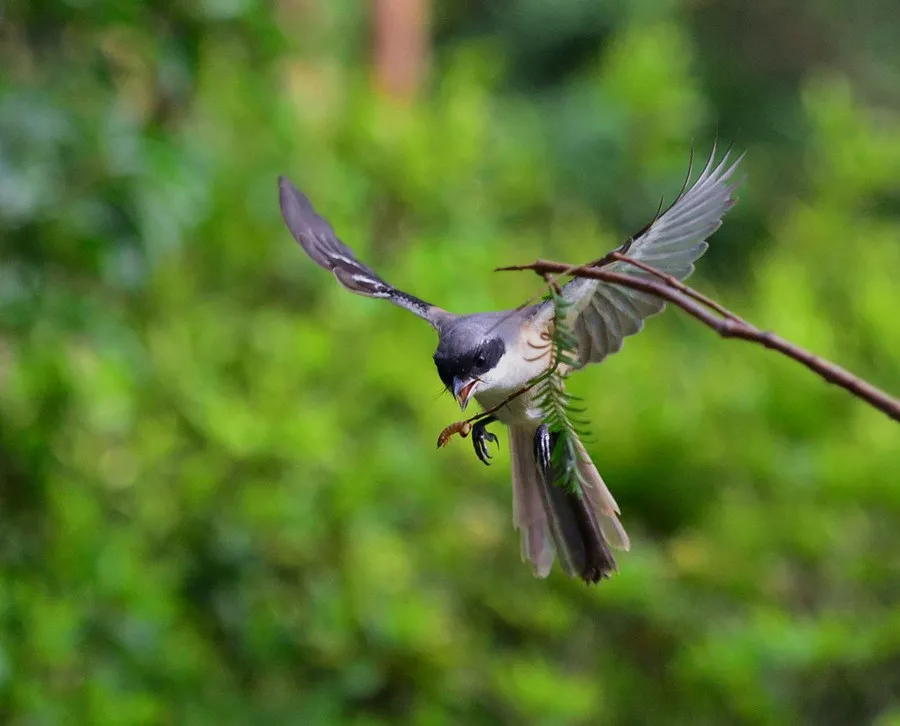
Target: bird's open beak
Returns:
[[463, 388]]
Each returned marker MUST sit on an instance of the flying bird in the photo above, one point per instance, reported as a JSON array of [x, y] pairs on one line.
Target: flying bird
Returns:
[[489, 356]]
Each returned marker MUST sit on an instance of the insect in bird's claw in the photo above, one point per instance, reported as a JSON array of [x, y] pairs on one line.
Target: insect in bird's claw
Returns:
[[458, 427]]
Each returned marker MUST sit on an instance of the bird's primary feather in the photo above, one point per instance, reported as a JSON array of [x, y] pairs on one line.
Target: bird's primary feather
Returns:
[[318, 240], [604, 314]]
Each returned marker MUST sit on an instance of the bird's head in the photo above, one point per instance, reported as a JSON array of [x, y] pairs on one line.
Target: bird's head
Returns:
[[470, 353]]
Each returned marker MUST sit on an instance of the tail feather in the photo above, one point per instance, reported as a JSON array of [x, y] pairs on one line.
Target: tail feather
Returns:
[[550, 520], [529, 514], [602, 502]]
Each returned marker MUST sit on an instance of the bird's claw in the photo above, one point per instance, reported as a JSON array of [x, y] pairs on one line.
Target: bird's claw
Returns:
[[543, 448], [480, 437]]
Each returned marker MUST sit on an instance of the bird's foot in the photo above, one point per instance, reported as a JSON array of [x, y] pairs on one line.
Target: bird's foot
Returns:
[[480, 437], [544, 441]]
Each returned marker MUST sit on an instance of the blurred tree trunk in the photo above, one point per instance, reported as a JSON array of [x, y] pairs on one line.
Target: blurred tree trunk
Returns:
[[400, 45]]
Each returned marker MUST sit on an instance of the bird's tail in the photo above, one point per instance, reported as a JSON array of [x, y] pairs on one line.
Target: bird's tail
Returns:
[[550, 519]]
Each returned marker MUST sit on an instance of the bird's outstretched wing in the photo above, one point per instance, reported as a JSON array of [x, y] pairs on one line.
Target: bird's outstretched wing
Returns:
[[319, 241], [604, 314]]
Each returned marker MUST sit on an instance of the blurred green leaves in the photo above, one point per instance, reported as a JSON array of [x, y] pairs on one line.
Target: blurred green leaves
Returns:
[[219, 496]]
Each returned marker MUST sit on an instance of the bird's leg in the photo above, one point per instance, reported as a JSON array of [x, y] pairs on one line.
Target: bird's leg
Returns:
[[480, 437]]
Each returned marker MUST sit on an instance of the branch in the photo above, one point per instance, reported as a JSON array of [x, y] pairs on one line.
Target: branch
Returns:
[[464, 427], [723, 321]]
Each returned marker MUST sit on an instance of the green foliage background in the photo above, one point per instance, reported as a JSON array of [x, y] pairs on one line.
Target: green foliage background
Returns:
[[221, 502]]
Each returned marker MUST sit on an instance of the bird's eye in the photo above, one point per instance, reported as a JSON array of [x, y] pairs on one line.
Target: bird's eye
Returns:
[[479, 359]]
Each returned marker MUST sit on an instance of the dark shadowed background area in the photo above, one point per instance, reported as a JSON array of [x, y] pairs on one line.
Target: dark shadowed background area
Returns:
[[220, 499]]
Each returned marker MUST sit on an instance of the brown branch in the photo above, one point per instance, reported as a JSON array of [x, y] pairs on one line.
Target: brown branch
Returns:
[[681, 287], [728, 325]]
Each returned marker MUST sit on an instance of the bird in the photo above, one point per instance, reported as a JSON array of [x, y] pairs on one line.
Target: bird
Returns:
[[489, 356]]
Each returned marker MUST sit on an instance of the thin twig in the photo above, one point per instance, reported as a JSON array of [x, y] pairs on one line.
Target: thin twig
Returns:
[[728, 326], [463, 427]]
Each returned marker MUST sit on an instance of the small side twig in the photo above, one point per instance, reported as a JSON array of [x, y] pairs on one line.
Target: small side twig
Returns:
[[464, 427], [720, 319]]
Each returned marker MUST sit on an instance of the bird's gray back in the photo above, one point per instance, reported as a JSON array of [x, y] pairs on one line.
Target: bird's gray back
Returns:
[[463, 333]]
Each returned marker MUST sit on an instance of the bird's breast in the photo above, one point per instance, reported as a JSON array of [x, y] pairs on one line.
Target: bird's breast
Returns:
[[519, 410], [529, 359]]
